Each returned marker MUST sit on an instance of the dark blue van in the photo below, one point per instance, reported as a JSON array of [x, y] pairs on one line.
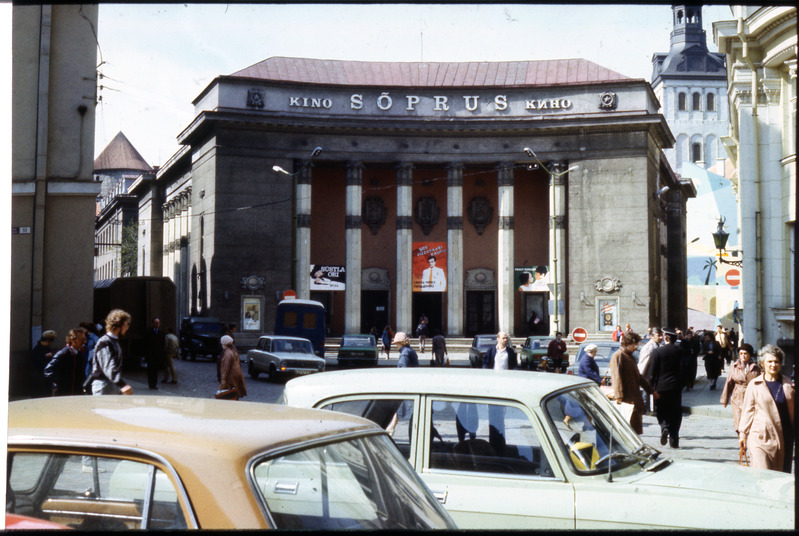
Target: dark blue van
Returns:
[[302, 318]]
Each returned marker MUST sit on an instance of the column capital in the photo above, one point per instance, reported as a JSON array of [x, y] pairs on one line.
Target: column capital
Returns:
[[305, 175], [354, 173], [405, 174], [455, 174], [505, 174]]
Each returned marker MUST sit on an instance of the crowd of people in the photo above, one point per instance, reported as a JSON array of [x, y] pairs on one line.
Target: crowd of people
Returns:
[[760, 395]]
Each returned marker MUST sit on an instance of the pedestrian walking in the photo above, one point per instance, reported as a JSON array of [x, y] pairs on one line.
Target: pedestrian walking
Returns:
[[666, 378], [741, 373], [502, 356], [767, 413], [439, 348], [421, 331], [41, 354], [230, 374], [627, 381], [407, 355], [617, 333], [155, 352], [66, 372], [587, 367], [713, 359], [692, 347], [386, 339], [724, 343], [87, 353], [106, 377], [171, 348], [644, 359]]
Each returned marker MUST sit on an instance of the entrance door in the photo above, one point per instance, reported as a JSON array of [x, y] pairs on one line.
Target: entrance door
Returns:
[[428, 303], [374, 310], [536, 308], [480, 312]]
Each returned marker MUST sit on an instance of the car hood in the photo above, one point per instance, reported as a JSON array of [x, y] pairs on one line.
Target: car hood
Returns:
[[730, 483]]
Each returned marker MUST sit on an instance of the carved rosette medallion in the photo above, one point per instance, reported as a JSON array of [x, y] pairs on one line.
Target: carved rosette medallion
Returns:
[[255, 98], [607, 101], [608, 284], [252, 282]]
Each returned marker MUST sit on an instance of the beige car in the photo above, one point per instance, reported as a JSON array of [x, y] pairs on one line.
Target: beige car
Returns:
[[161, 463]]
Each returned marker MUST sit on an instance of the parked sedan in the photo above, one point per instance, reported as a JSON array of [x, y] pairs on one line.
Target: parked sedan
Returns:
[[605, 350], [105, 463], [281, 356], [533, 350], [480, 345], [358, 350], [512, 450]]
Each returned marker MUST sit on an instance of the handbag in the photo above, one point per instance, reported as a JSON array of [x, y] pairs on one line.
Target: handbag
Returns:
[[626, 410], [743, 459], [227, 394]]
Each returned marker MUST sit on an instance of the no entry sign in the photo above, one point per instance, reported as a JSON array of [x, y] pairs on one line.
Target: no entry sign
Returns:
[[579, 334], [733, 277]]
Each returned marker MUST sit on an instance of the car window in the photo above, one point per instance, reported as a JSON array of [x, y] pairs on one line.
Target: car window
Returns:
[[394, 415], [588, 428], [92, 493], [357, 341], [486, 341], [360, 483], [263, 344], [485, 438]]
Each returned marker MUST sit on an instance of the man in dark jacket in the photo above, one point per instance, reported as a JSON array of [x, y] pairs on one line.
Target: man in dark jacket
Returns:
[[502, 356], [665, 375], [66, 372], [556, 352]]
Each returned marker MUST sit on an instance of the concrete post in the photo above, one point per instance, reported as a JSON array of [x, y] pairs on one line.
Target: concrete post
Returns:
[[404, 289], [455, 300], [352, 294], [505, 259], [302, 265]]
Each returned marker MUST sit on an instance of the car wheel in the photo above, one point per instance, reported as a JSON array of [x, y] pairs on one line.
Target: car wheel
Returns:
[[272, 372], [254, 372]]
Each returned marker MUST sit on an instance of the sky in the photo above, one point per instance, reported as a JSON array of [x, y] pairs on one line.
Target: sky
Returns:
[[154, 59]]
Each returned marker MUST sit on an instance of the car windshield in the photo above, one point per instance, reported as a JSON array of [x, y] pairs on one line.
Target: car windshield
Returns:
[[292, 346], [360, 483], [364, 341], [486, 340], [593, 434]]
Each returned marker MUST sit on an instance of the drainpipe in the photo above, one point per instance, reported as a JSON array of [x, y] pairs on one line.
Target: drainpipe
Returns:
[[40, 176], [756, 178]]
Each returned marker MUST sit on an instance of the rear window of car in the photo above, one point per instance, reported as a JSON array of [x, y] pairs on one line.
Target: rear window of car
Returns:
[[486, 341], [357, 341], [292, 346]]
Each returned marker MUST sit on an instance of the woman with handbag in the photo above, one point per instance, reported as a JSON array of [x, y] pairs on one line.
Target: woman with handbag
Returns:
[[767, 413], [741, 373], [627, 380], [231, 379]]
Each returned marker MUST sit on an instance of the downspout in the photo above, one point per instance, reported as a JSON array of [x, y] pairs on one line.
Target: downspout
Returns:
[[40, 175], [756, 179]]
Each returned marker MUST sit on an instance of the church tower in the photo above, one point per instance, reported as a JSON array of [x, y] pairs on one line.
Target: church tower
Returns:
[[691, 85]]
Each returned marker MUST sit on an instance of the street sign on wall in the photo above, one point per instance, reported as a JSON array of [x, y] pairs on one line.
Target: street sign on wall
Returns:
[[733, 277]]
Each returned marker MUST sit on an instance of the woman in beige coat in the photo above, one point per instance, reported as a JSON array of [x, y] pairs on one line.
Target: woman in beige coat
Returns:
[[741, 373], [230, 368], [766, 425], [627, 381]]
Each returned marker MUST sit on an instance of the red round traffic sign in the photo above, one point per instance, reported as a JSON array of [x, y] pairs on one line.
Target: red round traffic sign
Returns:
[[579, 334], [733, 277], [289, 295]]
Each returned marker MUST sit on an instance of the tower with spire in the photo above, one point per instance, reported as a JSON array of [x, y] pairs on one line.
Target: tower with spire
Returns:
[[691, 84]]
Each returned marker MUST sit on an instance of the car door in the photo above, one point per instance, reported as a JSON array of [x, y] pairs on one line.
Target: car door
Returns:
[[488, 462]]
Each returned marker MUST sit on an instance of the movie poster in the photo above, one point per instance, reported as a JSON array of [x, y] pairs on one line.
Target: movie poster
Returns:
[[429, 267], [327, 277], [608, 310], [532, 278]]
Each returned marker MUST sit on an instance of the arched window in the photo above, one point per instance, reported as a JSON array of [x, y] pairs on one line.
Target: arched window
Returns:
[[696, 152], [711, 102], [697, 101], [681, 101]]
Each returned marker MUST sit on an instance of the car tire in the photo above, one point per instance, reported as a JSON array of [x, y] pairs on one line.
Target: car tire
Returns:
[[254, 372], [272, 372]]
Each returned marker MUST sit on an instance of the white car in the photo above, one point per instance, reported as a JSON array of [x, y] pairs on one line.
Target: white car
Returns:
[[513, 450], [281, 356]]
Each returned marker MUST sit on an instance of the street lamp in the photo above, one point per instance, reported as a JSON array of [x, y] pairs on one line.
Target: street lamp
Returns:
[[720, 240], [278, 169], [552, 175]]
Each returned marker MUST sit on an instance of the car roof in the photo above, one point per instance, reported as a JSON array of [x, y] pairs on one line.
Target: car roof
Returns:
[[173, 427], [520, 385], [284, 337]]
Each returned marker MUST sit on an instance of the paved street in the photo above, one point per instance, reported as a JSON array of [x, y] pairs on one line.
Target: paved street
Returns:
[[706, 432]]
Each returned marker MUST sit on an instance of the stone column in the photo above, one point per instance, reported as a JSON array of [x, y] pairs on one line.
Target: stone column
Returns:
[[505, 257], [302, 252], [352, 295], [557, 244], [455, 309], [404, 292], [165, 240]]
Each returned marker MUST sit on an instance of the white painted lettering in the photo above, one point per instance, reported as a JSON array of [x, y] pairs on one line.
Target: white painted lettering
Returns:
[[441, 104], [471, 102], [542, 104], [294, 101], [356, 101], [384, 101], [327, 103], [501, 102], [413, 100], [530, 105]]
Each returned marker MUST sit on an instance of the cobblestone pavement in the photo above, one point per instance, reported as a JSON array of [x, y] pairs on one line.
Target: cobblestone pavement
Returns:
[[707, 437]]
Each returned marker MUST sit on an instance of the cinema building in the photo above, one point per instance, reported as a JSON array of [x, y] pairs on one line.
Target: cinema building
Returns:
[[539, 187]]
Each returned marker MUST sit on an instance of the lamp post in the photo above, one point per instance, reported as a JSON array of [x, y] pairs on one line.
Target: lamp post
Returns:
[[720, 240], [278, 169], [552, 176]]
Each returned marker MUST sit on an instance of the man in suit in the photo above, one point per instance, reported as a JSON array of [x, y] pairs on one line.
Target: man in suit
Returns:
[[665, 375], [501, 356], [433, 278]]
